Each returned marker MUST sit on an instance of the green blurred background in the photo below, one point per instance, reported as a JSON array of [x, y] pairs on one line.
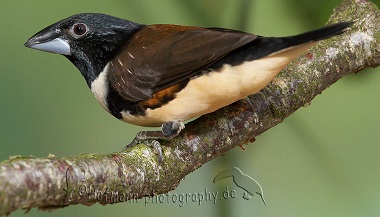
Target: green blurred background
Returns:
[[321, 161]]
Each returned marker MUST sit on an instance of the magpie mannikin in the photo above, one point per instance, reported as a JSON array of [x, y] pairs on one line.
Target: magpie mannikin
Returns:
[[162, 75]]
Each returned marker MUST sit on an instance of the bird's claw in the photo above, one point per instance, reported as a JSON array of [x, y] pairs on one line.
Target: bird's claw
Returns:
[[156, 147], [148, 142], [170, 130]]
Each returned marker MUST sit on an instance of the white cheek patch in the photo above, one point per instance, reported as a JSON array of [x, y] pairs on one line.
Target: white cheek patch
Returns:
[[99, 88]]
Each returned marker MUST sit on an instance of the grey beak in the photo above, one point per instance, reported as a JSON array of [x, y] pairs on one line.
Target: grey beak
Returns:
[[49, 40]]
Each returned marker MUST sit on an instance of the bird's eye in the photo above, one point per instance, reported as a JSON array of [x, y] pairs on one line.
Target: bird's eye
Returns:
[[79, 29]]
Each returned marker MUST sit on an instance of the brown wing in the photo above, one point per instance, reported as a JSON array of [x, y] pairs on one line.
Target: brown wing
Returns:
[[152, 62]]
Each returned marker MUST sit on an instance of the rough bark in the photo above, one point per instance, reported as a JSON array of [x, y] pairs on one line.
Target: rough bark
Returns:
[[27, 182]]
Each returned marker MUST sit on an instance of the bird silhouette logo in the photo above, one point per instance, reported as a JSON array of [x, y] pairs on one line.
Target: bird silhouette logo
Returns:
[[243, 181]]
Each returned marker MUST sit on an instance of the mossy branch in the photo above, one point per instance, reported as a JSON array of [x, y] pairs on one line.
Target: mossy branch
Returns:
[[27, 182]]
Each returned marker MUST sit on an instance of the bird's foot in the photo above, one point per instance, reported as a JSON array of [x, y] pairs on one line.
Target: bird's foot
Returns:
[[170, 130]]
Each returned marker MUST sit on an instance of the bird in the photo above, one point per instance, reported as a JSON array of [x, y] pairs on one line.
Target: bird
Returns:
[[164, 74], [243, 181]]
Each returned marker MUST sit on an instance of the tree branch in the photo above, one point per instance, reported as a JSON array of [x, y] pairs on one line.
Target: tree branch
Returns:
[[27, 182]]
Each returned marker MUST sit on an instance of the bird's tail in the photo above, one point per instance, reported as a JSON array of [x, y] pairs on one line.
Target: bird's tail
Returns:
[[318, 34], [274, 45]]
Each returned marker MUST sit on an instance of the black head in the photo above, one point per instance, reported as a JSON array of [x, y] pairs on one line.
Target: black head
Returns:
[[89, 40]]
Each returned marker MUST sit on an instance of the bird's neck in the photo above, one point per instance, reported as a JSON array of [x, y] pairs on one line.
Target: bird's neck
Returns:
[[90, 69]]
